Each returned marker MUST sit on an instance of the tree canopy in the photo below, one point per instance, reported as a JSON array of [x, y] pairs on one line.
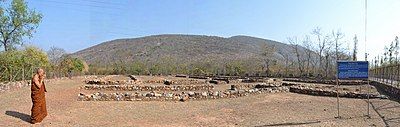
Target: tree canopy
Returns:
[[17, 22]]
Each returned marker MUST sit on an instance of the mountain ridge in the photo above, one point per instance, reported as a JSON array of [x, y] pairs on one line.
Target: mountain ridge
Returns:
[[185, 50]]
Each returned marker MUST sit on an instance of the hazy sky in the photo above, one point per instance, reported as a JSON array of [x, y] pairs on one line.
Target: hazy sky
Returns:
[[79, 24]]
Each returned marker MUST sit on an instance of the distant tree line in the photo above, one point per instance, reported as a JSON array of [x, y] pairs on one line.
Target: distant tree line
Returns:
[[315, 56], [21, 64]]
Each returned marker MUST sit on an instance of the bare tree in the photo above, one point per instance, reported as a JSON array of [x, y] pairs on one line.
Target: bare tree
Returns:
[[309, 52], [337, 36], [267, 53], [55, 54], [322, 42], [286, 59], [396, 48], [295, 46]]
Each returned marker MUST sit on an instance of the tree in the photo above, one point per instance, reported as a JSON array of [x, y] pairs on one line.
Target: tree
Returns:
[[295, 46], [396, 47], [322, 45], [17, 22], [70, 65], [267, 53], [55, 54], [337, 36], [391, 49], [309, 53], [287, 60], [355, 48], [15, 64]]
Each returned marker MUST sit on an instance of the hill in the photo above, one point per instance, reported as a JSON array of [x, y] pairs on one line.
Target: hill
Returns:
[[187, 50]]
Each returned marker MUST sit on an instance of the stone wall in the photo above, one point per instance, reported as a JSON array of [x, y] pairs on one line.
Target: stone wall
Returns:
[[20, 84], [110, 82], [330, 93], [170, 96], [256, 85], [333, 82], [392, 91], [133, 82], [150, 88], [13, 85]]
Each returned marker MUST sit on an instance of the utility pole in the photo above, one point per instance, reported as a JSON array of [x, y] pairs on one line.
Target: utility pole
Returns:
[[366, 58]]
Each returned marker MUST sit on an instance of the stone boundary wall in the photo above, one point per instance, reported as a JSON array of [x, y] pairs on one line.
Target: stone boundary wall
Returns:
[[333, 82], [21, 84], [149, 88], [392, 91], [109, 82], [329, 93], [133, 82], [258, 85], [169, 96], [14, 85]]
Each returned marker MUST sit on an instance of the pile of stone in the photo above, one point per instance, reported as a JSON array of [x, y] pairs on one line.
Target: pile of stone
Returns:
[[329, 92], [150, 88], [170, 96]]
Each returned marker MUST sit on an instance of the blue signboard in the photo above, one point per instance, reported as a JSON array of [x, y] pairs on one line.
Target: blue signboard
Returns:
[[352, 69]]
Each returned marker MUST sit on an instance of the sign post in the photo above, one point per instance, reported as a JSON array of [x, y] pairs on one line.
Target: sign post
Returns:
[[351, 70]]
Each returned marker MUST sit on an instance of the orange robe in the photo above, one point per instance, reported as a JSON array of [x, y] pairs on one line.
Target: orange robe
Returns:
[[39, 111]]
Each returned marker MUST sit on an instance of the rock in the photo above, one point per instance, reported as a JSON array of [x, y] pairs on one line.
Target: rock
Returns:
[[81, 97], [191, 94], [170, 95], [133, 77], [149, 94], [167, 82], [157, 95], [204, 94], [213, 81], [215, 93], [184, 98], [233, 87], [382, 96]]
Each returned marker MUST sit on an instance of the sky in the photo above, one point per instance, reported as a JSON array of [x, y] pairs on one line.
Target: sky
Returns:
[[78, 24]]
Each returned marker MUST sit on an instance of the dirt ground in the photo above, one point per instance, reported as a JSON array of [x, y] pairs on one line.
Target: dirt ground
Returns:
[[274, 109]]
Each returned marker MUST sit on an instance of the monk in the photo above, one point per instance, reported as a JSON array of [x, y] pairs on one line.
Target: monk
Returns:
[[38, 89]]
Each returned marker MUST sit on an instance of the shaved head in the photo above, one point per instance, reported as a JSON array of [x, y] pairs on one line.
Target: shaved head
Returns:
[[40, 72]]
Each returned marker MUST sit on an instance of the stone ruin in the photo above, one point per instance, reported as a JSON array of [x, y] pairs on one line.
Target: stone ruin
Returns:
[[189, 88], [168, 95]]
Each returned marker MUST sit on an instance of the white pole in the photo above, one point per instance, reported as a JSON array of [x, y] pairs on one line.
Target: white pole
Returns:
[[366, 58]]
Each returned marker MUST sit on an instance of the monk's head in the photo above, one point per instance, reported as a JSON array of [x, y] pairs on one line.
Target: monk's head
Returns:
[[40, 72]]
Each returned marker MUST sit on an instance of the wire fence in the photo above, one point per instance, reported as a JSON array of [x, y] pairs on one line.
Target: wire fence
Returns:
[[388, 74]]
